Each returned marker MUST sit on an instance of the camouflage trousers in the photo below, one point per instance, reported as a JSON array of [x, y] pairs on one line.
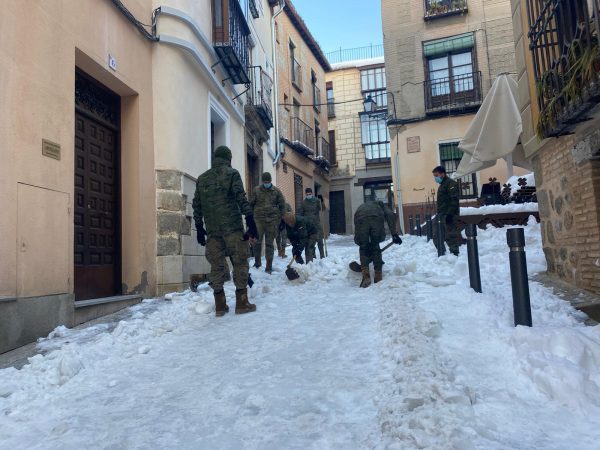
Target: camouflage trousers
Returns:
[[368, 234], [267, 231], [452, 236], [234, 246]]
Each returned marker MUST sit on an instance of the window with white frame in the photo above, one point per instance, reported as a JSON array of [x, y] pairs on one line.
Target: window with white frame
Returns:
[[372, 83], [375, 137]]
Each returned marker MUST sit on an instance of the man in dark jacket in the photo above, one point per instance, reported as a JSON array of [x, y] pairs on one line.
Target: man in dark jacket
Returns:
[[302, 234], [448, 209], [311, 209], [268, 205], [219, 202], [369, 231]]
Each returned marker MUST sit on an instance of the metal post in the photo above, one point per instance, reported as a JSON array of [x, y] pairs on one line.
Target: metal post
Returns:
[[429, 228], [441, 231], [515, 238], [419, 232], [473, 254], [411, 225]]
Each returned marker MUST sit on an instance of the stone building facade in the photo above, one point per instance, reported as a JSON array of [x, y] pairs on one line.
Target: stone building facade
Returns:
[[304, 149], [565, 157], [441, 60], [357, 170]]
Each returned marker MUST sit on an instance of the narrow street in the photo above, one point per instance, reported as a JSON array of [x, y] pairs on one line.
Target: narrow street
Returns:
[[418, 361]]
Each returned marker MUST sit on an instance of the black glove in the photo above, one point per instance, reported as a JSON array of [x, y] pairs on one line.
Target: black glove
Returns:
[[201, 234], [252, 232], [449, 219], [396, 239], [281, 225], [297, 254]]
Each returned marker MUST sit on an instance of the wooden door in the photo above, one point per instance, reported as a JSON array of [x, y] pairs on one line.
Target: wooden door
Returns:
[[337, 212]]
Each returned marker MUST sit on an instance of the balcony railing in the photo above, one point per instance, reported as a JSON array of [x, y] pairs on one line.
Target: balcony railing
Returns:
[[352, 54], [297, 74], [563, 37], [230, 39], [435, 9], [302, 133], [260, 94], [316, 98], [330, 108], [458, 92]]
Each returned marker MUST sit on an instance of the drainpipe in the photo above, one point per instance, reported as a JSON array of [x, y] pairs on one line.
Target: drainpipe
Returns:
[[276, 82]]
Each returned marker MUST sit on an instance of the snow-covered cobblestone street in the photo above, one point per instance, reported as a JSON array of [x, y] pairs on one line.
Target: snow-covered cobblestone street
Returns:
[[417, 361]]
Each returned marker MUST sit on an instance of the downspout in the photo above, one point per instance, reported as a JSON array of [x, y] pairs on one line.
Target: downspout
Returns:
[[276, 82]]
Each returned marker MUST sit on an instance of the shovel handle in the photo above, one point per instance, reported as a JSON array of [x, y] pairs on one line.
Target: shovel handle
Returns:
[[387, 246], [291, 262]]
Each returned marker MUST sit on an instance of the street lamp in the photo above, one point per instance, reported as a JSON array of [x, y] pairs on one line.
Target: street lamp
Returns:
[[369, 104]]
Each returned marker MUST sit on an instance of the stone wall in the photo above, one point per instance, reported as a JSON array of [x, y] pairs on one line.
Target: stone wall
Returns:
[[568, 180]]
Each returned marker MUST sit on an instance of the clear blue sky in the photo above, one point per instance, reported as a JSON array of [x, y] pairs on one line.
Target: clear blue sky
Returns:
[[342, 23]]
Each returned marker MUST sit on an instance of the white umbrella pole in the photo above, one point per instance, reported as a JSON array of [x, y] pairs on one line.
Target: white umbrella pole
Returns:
[[509, 165]]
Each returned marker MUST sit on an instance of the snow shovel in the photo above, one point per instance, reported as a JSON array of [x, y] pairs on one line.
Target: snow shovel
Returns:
[[355, 267], [292, 274]]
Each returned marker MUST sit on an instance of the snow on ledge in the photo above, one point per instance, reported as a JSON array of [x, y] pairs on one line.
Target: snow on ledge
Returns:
[[358, 63], [499, 209]]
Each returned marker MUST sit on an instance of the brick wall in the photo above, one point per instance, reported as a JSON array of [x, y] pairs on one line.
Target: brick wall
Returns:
[[568, 180]]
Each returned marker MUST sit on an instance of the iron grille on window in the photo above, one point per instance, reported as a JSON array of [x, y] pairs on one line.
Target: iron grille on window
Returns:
[[260, 93], [450, 156], [443, 8], [302, 133], [563, 36]]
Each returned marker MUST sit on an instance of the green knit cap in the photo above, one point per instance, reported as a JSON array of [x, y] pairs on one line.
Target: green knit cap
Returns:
[[223, 152], [266, 177]]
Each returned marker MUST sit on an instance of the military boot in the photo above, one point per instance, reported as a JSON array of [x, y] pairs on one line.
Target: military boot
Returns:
[[378, 276], [242, 305], [366, 279], [257, 263], [282, 253], [221, 307], [269, 266]]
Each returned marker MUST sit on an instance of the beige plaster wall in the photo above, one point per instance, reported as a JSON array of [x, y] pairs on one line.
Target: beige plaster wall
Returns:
[[42, 44]]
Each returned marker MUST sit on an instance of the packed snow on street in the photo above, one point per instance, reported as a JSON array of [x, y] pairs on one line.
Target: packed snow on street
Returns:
[[416, 361]]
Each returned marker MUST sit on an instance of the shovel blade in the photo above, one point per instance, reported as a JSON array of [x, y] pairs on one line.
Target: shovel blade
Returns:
[[292, 274], [354, 266]]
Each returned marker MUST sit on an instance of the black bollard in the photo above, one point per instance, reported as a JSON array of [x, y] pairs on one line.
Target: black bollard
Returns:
[[473, 254], [441, 231], [419, 232], [411, 225], [429, 228], [515, 238]]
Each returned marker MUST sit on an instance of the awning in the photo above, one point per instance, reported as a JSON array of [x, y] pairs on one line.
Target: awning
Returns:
[[447, 45], [495, 131]]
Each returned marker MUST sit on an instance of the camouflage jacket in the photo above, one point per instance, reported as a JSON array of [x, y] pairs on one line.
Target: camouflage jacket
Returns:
[[220, 199], [299, 234], [268, 203], [448, 198], [311, 209], [376, 210]]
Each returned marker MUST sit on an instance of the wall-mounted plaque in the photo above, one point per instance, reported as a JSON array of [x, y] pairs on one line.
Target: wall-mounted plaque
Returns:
[[413, 144], [50, 149]]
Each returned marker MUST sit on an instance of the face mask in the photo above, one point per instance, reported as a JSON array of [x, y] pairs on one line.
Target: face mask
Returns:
[[267, 185], [309, 196], [439, 180]]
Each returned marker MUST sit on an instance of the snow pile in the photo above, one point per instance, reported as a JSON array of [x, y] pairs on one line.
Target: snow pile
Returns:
[[358, 63], [416, 361], [514, 182], [500, 209]]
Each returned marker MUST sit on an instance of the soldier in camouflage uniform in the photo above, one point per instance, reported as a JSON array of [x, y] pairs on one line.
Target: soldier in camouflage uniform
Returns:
[[369, 231], [268, 205], [282, 234], [303, 235], [448, 209], [219, 202], [311, 209]]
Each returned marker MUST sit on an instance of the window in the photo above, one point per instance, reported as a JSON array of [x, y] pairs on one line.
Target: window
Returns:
[[450, 156], [298, 191], [332, 151], [375, 137], [330, 100], [451, 72], [295, 68], [317, 139], [316, 92], [372, 82], [277, 32]]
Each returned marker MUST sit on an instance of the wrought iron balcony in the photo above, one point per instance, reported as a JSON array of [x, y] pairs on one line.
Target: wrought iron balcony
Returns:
[[454, 93], [302, 135], [297, 74], [254, 9], [231, 39], [435, 9], [563, 36], [260, 94], [330, 108], [323, 158]]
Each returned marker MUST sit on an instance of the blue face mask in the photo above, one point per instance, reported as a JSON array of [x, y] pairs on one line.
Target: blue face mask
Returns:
[[268, 185], [309, 196], [439, 180]]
